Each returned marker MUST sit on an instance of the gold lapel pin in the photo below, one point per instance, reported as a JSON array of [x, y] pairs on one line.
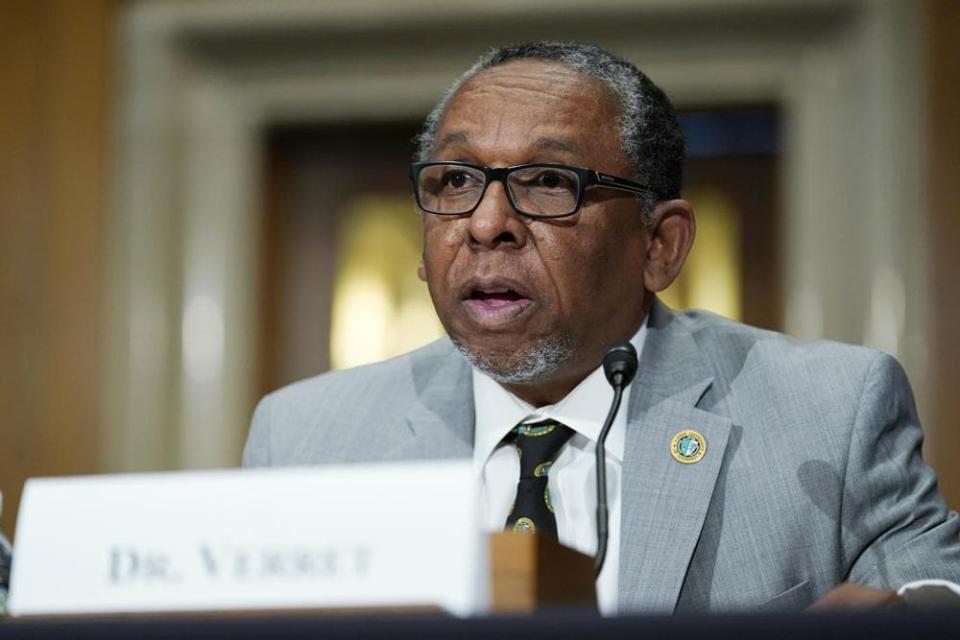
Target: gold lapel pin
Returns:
[[688, 446]]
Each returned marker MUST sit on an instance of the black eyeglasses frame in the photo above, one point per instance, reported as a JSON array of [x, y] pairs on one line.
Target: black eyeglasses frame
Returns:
[[585, 178]]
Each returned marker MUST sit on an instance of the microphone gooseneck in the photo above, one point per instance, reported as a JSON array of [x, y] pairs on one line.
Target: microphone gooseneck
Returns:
[[620, 366]]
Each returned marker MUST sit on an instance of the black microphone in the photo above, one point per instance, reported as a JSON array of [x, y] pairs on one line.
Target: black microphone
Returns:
[[620, 366]]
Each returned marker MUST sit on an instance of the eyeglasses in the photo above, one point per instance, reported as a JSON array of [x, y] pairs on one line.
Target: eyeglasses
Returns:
[[535, 190]]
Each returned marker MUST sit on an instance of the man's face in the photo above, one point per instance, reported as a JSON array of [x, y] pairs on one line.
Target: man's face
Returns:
[[512, 290]]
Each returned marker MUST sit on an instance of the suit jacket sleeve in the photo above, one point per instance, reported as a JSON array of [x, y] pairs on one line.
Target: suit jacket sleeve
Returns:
[[256, 453], [895, 525]]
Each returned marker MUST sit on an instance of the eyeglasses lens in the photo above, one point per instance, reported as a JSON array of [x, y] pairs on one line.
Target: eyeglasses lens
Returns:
[[449, 189], [535, 190], [544, 191]]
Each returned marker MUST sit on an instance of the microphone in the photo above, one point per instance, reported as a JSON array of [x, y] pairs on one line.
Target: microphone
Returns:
[[620, 366]]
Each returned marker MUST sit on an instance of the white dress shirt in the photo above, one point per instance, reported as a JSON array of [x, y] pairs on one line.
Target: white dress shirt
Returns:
[[572, 478]]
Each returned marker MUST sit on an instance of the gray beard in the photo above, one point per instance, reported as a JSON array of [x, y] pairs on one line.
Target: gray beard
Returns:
[[539, 360]]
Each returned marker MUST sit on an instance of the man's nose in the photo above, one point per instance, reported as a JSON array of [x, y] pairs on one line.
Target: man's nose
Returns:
[[495, 223]]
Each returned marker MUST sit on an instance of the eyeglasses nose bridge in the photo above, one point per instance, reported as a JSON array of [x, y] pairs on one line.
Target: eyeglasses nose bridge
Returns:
[[497, 174]]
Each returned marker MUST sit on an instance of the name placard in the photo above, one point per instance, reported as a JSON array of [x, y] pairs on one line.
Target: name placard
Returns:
[[385, 535]]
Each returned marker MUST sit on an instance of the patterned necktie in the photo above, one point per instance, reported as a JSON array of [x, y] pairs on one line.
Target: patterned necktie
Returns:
[[538, 445]]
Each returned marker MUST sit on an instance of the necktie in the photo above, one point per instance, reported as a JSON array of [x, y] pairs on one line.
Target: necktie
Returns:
[[538, 445]]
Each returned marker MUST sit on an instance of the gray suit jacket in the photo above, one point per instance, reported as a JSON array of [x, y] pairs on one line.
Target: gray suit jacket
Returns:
[[812, 474]]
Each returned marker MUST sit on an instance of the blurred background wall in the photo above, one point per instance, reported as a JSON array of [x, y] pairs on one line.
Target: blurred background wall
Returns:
[[57, 61], [201, 201]]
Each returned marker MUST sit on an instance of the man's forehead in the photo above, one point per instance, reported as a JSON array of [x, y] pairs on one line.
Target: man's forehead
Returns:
[[550, 95], [543, 143], [540, 76], [533, 68]]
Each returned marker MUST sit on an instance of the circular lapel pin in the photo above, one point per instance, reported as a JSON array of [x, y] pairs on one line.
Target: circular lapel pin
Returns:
[[688, 446]]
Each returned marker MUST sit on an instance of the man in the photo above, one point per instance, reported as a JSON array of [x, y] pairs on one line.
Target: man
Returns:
[[748, 471]]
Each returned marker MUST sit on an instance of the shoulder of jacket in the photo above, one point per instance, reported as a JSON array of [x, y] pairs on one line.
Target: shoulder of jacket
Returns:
[[725, 339], [312, 392]]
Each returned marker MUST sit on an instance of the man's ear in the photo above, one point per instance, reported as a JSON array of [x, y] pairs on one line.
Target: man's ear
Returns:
[[670, 240], [422, 271]]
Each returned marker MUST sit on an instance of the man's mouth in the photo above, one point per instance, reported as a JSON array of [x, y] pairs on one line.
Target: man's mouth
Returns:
[[496, 299], [495, 304]]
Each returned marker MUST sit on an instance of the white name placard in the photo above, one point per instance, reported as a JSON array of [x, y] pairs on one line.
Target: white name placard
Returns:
[[385, 535]]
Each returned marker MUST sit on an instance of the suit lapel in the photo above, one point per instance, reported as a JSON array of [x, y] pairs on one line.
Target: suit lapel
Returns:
[[440, 421], [664, 502]]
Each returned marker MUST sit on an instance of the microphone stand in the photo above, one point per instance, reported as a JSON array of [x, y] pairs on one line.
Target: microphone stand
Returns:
[[603, 515], [620, 366]]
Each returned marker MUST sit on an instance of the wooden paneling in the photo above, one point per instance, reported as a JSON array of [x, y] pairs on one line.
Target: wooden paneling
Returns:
[[943, 196], [750, 184], [54, 62], [312, 174]]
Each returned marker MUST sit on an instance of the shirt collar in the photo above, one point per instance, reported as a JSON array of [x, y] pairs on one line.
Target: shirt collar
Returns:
[[583, 409]]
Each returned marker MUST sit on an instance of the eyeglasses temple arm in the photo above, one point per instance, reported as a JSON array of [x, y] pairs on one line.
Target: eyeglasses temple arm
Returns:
[[614, 182]]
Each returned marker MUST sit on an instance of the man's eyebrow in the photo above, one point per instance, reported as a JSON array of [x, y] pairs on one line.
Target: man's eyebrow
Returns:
[[556, 144], [454, 137]]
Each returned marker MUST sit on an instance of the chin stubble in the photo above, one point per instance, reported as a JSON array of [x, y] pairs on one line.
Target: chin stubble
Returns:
[[541, 359]]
